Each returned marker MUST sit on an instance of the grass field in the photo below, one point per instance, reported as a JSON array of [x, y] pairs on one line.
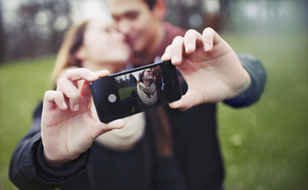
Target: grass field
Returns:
[[265, 147], [125, 92]]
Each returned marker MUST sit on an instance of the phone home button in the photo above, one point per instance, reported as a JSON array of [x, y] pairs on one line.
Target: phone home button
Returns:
[[112, 98]]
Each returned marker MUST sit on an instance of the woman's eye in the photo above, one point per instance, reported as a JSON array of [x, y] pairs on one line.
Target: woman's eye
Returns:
[[132, 15]]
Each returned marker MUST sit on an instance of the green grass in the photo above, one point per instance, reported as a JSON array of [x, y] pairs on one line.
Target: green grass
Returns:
[[264, 146], [22, 86], [125, 92]]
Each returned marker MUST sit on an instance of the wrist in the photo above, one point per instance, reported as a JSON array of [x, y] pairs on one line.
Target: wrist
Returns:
[[244, 87], [71, 168], [54, 162], [241, 89]]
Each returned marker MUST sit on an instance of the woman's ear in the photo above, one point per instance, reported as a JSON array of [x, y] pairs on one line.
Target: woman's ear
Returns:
[[81, 53]]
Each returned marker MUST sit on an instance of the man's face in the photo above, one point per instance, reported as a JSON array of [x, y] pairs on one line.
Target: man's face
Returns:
[[156, 70], [136, 21]]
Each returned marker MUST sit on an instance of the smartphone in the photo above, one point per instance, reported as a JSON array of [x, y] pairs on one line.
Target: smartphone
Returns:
[[130, 92]]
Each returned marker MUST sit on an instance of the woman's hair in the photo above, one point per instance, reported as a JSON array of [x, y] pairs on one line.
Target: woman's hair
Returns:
[[150, 3], [67, 54], [141, 76]]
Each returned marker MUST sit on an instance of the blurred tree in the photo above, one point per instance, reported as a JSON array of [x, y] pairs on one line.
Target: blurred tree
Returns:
[[39, 28], [196, 15], [2, 42], [224, 13], [186, 14]]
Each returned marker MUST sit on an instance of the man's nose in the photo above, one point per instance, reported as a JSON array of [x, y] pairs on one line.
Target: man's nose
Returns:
[[123, 27]]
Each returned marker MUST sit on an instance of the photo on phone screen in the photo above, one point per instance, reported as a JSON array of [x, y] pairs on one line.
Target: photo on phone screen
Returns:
[[130, 92], [141, 90]]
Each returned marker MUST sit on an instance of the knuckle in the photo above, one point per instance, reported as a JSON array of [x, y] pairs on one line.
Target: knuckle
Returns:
[[48, 93], [62, 81], [168, 48], [191, 32], [208, 30], [177, 39]]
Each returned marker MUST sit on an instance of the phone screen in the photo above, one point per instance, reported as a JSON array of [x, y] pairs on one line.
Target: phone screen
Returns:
[[141, 90], [130, 92]]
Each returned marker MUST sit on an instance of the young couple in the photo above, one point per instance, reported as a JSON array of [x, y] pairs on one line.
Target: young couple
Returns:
[[164, 148]]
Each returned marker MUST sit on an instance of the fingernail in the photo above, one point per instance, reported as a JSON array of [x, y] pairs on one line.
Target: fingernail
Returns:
[[189, 47], [103, 73], [175, 59], [76, 107], [207, 47], [163, 57], [75, 78], [64, 105], [172, 105]]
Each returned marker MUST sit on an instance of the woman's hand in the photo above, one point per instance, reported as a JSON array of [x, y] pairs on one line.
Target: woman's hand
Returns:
[[68, 126], [210, 67]]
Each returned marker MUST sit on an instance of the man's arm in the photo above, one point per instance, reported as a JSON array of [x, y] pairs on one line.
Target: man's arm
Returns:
[[211, 69], [257, 75]]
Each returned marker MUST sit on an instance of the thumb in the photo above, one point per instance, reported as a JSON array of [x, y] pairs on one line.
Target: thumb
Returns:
[[116, 124], [85, 89], [183, 104], [190, 99]]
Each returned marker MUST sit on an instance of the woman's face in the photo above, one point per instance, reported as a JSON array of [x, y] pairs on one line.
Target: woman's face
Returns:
[[148, 75], [102, 43]]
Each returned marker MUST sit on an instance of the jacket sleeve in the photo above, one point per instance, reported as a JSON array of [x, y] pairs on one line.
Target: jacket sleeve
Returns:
[[257, 74], [28, 169]]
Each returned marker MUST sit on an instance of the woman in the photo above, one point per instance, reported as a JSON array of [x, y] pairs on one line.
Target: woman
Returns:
[[144, 96], [146, 88], [94, 45], [67, 146]]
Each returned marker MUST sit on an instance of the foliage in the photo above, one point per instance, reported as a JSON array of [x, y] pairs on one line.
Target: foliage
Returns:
[[38, 29]]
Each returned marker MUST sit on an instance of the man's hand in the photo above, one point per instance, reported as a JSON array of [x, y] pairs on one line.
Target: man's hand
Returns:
[[68, 126], [210, 67]]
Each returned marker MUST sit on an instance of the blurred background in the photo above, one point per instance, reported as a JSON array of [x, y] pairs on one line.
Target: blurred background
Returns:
[[264, 146]]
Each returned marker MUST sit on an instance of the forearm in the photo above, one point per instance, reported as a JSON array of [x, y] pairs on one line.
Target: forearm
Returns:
[[257, 75], [23, 172], [28, 169]]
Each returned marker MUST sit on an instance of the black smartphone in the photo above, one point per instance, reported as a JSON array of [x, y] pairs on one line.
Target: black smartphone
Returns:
[[126, 93]]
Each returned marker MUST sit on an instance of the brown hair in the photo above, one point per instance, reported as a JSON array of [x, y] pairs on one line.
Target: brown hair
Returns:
[[140, 76], [67, 54]]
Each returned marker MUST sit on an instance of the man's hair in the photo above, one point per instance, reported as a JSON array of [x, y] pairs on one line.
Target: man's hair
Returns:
[[150, 3]]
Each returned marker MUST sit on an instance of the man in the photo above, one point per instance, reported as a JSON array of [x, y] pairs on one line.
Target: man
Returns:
[[142, 25], [222, 78]]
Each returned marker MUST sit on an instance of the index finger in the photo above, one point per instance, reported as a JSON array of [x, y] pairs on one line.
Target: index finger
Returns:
[[84, 74]]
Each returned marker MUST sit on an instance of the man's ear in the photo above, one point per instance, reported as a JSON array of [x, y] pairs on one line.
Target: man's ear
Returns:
[[81, 53], [160, 9]]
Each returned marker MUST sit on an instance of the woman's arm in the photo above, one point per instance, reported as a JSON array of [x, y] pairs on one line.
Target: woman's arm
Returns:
[[56, 148], [28, 169]]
